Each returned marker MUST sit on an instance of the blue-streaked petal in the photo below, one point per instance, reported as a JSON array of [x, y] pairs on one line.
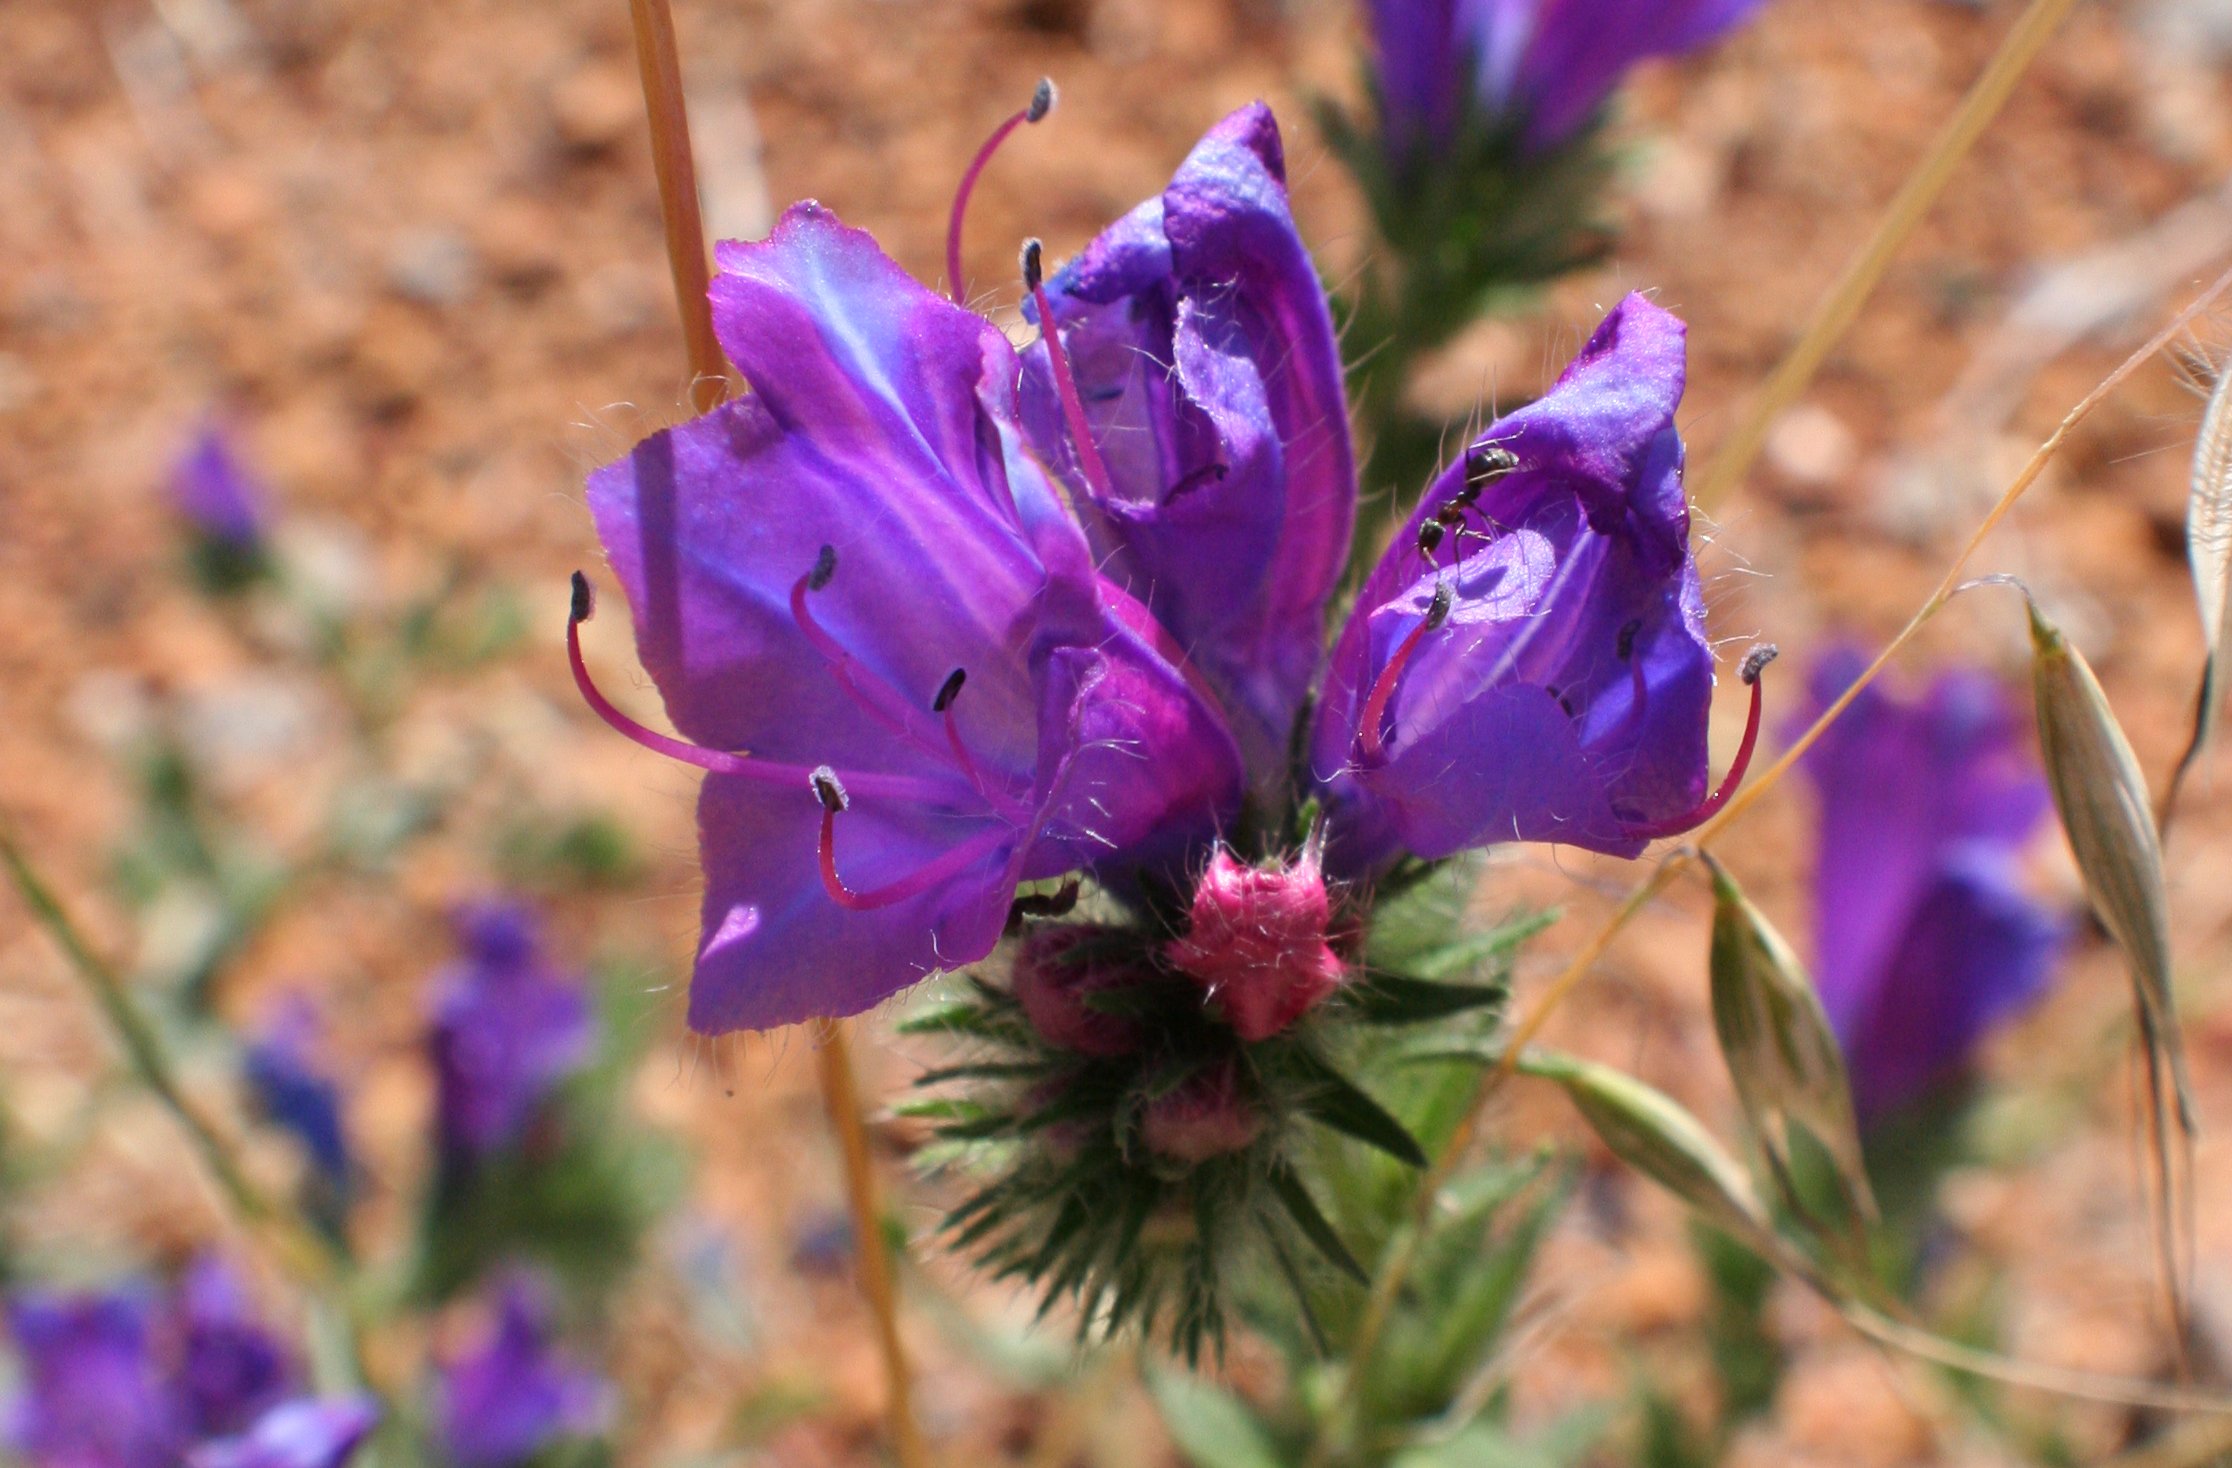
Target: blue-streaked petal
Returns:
[[309, 1433]]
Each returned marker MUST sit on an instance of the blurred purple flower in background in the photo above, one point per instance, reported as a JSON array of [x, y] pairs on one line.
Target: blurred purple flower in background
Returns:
[[1545, 66], [299, 1434], [212, 487], [92, 1396], [1528, 661], [1219, 485], [1925, 936], [516, 1394], [508, 1029], [869, 605], [230, 1367], [288, 1079]]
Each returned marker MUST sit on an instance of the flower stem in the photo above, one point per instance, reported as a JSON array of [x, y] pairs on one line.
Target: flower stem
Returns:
[[841, 1099], [1835, 313], [661, 67], [1395, 1264]]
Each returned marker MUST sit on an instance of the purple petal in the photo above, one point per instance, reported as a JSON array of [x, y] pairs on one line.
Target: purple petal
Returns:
[[298, 1434], [212, 487], [1204, 351], [230, 1368], [516, 1394], [1421, 59], [1975, 950], [91, 1397], [1565, 699], [882, 427], [1576, 52], [294, 1090], [507, 1032]]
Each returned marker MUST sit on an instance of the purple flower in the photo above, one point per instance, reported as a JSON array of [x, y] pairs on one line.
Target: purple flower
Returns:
[[1925, 936], [299, 1434], [869, 607], [1544, 66], [291, 1086], [1220, 485], [213, 489], [515, 1394], [1528, 661], [230, 1368], [508, 1029], [92, 1396]]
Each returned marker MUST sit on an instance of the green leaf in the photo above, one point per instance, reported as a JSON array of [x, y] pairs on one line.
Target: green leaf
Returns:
[[1212, 1427], [1294, 1196], [1393, 999], [1334, 1100], [1465, 955]]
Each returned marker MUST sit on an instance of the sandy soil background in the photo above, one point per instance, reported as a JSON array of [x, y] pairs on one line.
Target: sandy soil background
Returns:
[[412, 252]]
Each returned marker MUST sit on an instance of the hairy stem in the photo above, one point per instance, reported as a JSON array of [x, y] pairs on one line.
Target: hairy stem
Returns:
[[1836, 311], [841, 1099], [661, 67]]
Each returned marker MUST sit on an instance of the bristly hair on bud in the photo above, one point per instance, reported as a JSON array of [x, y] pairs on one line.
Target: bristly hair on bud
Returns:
[[1043, 98], [584, 604], [829, 790], [825, 567], [949, 690], [1033, 275], [1756, 661]]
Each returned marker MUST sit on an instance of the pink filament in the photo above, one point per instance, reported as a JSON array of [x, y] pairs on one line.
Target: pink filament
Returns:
[[1706, 809], [969, 181], [1375, 707], [931, 874], [1073, 407]]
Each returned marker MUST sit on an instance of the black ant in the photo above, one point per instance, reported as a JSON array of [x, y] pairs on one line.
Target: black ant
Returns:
[[1485, 464]]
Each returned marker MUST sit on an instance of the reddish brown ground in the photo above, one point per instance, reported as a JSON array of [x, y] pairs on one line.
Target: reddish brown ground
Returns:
[[414, 250]]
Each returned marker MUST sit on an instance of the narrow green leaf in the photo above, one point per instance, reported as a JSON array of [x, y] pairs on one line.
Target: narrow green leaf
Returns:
[[1466, 954], [1294, 1196], [1786, 1063], [2102, 797], [1334, 1100], [1393, 999]]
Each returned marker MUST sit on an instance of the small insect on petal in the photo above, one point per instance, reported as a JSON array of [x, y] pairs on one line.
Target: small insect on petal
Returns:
[[2101, 796], [1646, 1129], [1783, 1056]]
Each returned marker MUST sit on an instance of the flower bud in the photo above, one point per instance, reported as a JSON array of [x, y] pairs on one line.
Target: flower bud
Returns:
[[1256, 942], [1055, 983], [1207, 1115]]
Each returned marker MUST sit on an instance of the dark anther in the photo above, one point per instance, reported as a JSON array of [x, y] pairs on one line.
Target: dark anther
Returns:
[[825, 566], [1212, 472], [1058, 903], [1445, 597], [1032, 275], [1486, 463], [828, 790], [949, 690], [1756, 661], [584, 599], [1625, 648], [1042, 100], [1429, 537]]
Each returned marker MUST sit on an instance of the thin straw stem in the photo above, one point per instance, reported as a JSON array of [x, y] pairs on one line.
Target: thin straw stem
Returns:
[[661, 67], [1836, 311], [871, 1254], [663, 101]]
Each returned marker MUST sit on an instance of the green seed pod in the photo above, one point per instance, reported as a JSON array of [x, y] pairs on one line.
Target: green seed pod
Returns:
[[1788, 1068]]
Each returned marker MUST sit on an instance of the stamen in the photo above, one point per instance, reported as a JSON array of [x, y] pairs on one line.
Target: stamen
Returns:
[[1755, 663], [714, 760], [949, 691], [843, 663], [834, 802], [1041, 103], [1073, 407], [1373, 746], [942, 705]]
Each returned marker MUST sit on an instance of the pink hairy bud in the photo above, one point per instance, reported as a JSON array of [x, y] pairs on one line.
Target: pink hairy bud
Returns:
[[1208, 1115], [1257, 942], [1055, 984]]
